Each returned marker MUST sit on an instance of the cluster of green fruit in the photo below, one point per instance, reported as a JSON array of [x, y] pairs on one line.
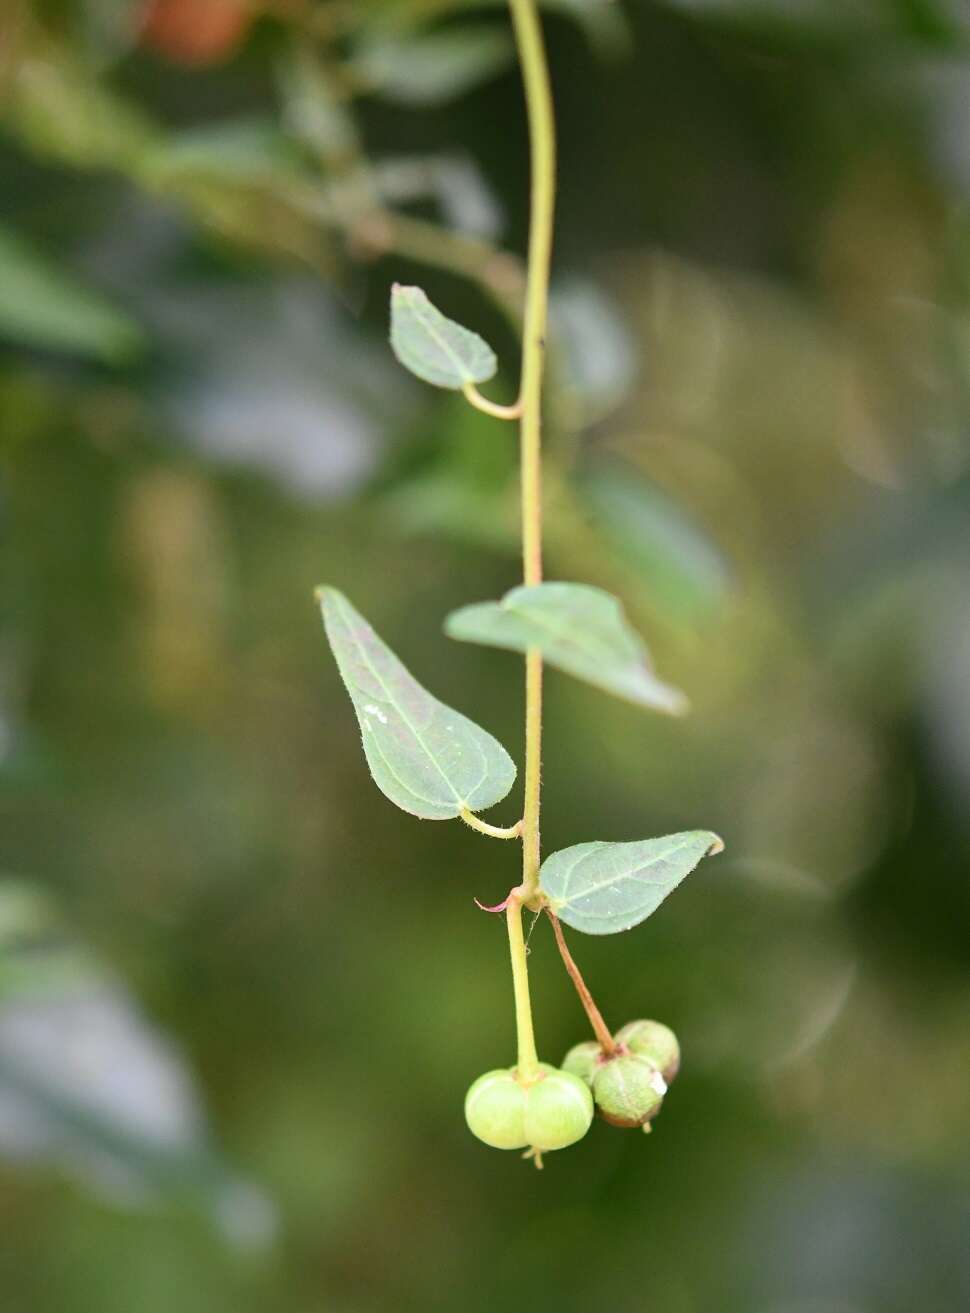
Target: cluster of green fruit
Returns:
[[555, 1108]]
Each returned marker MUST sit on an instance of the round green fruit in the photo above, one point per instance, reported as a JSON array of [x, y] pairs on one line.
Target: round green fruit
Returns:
[[628, 1090], [655, 1042], [583, 1059], [549, 1113]]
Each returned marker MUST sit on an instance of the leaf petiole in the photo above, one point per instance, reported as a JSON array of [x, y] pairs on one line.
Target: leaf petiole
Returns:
[[493, 408], [493, 831]]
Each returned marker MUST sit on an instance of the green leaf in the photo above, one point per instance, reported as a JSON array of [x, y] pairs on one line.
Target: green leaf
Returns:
[[431, 68], [434, 348], [42, 306], [430, 760], [579, 629], [602, 888]]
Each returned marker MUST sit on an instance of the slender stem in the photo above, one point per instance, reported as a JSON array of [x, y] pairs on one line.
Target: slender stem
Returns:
[[535, 76], [493, 408], [494, 831], [600, 1028], [528, 1061], [542, 139]]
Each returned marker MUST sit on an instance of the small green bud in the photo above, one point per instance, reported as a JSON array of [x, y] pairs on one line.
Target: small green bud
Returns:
[[628, 1090], [655, 1042], [583, 1059], [551, 1112]]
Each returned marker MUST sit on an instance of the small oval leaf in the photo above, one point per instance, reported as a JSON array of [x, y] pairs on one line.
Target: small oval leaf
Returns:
[[430, 760], [602, 888], [436, 349], [579, 629]]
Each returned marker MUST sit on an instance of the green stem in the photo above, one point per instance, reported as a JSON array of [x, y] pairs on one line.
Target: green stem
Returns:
[[542, 141], [542, 138], [528, 1060]]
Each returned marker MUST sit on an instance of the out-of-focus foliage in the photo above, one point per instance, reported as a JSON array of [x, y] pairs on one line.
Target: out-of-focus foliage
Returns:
[[42, 308], [758, 436], [85, 1085]]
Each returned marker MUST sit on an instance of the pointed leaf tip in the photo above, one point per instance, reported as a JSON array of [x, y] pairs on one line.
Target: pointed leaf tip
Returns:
[[427, 758], [435, 348], [603, 888]]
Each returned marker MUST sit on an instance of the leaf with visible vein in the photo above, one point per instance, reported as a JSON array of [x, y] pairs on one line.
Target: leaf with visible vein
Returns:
[[428, 759], [603, 888], [579, 629], [436, 349]]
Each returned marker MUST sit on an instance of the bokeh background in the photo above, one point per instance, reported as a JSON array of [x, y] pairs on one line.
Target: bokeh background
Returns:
[[241, 996]]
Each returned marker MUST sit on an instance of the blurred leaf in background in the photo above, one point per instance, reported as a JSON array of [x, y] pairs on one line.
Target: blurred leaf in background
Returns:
[[87, 1085], [43, 306]]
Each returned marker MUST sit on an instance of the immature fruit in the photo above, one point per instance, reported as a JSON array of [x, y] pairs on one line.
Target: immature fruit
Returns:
[[550, 1113], [582, 1060], [628, 1090], [654, 1041]]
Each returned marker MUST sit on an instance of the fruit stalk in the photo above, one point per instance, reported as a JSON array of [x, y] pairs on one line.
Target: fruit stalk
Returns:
[[528, 1058], [600, 1028]]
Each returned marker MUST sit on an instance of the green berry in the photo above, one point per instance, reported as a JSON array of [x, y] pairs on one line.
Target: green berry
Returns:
[[628, 1090], [549, 1113], [495, 1110], [654, 1041], [583, 1059], [559, 1111]]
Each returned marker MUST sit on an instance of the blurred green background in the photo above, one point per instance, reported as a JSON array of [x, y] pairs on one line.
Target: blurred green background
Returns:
[[241, 996]]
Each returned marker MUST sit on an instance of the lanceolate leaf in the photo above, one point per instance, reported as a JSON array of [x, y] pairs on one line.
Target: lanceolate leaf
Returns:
[[435, 348], [602, 888], [579, 629], [427, 758]]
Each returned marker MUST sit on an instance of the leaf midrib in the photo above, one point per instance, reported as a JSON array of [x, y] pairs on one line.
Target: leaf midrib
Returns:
[[417, 309], [567, 901]]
